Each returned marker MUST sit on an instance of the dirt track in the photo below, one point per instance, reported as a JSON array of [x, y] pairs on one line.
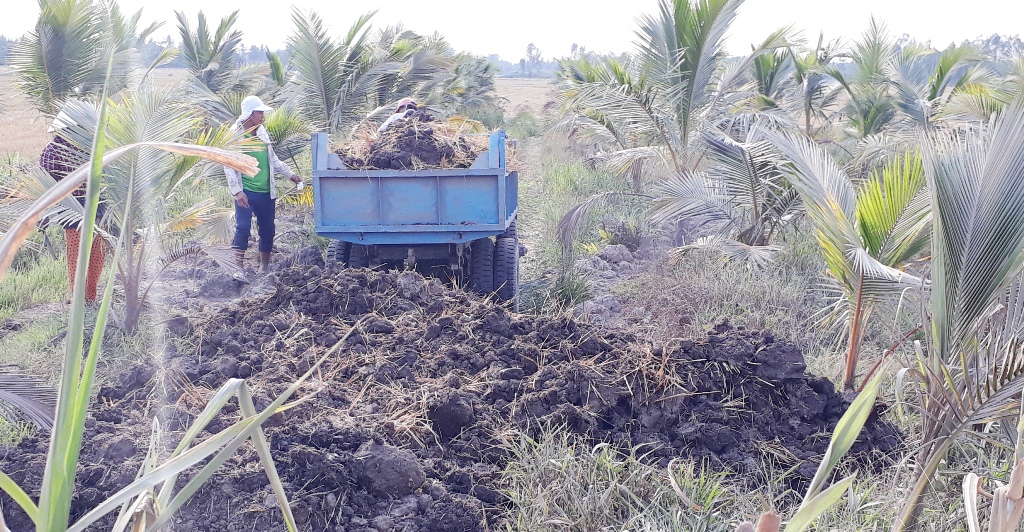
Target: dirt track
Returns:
[[404, 429]]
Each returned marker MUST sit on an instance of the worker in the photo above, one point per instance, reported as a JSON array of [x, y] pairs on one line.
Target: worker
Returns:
[[59, 158], [256, 195], [406, 107]]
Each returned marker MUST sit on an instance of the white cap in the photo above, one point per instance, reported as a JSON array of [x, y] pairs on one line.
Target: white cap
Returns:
[[250, 105]]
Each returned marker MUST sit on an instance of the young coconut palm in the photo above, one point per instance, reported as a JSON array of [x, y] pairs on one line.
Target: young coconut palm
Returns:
[[921, 93], [341, 81], [971, 368], [743, 192], [60, 58], [646, 109], [141, 189], [815, 94], [870, 106], [867, 233]]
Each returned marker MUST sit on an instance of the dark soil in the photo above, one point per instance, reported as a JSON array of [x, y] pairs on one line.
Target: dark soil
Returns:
[[404, 427], [412, 143]]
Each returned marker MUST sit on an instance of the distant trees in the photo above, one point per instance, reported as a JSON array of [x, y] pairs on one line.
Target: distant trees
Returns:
[[532, 63], [5, 49]]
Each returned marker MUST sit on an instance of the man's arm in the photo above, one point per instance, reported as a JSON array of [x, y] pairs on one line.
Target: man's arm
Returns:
[[276, 165], [234, 180]]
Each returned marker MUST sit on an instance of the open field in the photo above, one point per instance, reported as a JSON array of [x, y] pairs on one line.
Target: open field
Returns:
[[22, 128], [524, 94]]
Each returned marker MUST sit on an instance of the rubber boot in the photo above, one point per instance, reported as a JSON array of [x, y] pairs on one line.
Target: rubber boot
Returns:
[[240, 257], [264, 262]]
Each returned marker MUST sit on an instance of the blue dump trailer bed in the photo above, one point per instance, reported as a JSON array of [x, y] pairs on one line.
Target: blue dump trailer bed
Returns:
[[458, 221]]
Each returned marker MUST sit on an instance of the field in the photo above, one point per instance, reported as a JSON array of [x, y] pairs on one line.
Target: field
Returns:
[[525, 94], [786, 296], [23, 128]]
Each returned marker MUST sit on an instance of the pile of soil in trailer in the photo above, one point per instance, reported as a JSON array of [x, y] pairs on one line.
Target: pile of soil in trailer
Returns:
[[404, 428], [415, 142]]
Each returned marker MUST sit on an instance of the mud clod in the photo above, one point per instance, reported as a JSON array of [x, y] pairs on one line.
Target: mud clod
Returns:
[[387, 471], [451, 412]]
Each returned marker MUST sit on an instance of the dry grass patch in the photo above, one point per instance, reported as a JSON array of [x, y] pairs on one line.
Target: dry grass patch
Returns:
[[22, 128]]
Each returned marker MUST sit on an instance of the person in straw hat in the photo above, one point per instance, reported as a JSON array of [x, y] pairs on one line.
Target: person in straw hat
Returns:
[[59, 158], [256, 195], [406, 107]]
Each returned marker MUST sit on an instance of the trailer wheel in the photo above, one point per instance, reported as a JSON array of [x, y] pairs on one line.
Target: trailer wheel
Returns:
[[506, 270], [481, 266], [358, 256], [511, 231], [337, 252]]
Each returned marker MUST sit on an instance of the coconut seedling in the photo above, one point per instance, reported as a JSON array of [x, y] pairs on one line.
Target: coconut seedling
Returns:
[[868, 233]]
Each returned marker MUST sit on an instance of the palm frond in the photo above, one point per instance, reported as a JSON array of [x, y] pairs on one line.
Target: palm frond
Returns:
[[25, 397], [756, 257], [978, 202], [689, 195], [570, 222]]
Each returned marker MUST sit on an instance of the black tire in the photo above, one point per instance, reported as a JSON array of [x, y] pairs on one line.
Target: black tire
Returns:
[[358, 256], [511, 231], [506, 270], [337, 252], [481, 266]]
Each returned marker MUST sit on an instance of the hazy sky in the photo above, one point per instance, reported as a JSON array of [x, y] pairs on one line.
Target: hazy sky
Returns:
[[506, 28]]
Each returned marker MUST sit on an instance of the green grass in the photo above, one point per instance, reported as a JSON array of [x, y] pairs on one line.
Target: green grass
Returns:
[[27, 285], [38, 345], [558, 482], [559, 182]]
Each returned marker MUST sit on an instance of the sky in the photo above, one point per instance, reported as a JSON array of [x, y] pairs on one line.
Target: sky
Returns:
[[506, 28]]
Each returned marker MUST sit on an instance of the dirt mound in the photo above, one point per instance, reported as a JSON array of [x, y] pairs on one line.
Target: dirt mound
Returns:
[[415, 142], [406, 426]]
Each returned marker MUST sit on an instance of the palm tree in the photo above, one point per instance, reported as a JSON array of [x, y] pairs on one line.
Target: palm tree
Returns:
[[209, 54], [972, 365], [744, 195], [651, 104], [341, 81], [468, 86], [61, 57], [870, 106], [922, 91], [644, 110], [813, 92], [867, 233]]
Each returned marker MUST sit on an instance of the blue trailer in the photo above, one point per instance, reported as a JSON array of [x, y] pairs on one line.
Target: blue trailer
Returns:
[[461, 221]]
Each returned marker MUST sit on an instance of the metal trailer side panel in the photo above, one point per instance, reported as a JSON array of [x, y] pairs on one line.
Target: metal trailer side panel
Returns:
[[403, 207]]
